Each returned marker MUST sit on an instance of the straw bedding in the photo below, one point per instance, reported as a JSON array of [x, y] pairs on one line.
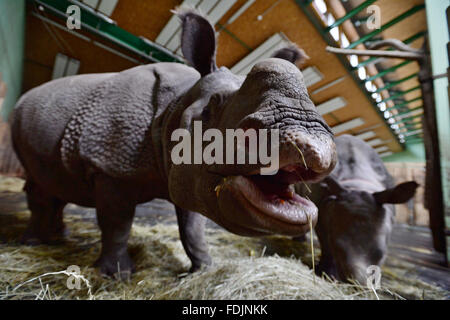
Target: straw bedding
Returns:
[[244, 268]]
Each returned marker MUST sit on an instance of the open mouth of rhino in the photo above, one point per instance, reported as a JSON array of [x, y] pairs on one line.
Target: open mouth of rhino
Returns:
[[273, 198]]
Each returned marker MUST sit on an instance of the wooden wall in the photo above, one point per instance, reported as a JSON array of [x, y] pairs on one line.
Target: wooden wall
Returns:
[[413, 212]]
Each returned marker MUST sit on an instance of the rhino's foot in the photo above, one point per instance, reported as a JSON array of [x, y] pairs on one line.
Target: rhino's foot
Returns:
[[196, 266], [33, 237], [118, 267]]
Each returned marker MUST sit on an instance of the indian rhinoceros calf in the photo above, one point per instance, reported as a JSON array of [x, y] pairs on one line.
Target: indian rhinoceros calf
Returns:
[[356, 211], [105, 141]]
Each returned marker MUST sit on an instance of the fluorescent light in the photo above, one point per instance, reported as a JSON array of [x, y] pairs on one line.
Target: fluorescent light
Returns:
[[64, 66], [328, 85], [240, 11], [107, 6], [385, 154], [374, 142], [60, 66], [72, 67], [334, 32], [354, 60], [344, 40], [265, 50], [362, 73], [91, 3], [366, 135], [347, 125], [320, 4], [312, 76], [381, 149], [331, 105], [170, 35], [219, 10]]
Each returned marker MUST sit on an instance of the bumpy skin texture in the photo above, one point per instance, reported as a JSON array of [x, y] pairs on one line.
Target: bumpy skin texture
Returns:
[[104, 141], [356, 210]]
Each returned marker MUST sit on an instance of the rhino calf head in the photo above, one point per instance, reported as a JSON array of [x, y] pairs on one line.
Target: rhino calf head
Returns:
[[272, 96], [355, 225]]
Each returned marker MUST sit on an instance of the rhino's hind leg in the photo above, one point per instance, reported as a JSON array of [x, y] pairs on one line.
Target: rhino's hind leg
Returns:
[[114, 216], [192, 233], [46, 225]]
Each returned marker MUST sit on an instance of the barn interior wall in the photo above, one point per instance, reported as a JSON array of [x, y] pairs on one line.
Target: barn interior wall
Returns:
[[12, 35], [438, 29], [414, 152]]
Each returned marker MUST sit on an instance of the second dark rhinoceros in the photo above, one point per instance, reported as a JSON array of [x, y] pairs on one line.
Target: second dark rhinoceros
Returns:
[[104, 141]]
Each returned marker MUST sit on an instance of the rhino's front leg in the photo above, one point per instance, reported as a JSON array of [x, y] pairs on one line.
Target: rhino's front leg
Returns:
[[192, 233], [115, 215]]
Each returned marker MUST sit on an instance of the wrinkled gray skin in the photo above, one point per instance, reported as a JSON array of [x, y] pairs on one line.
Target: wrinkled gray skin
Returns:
[[104, 141], [356, 210]]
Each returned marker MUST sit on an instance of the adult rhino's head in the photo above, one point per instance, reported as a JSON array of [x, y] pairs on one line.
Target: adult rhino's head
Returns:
[[354, 227], [251, 198]]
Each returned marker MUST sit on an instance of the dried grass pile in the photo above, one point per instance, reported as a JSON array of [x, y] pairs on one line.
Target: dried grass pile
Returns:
[[244, 268]]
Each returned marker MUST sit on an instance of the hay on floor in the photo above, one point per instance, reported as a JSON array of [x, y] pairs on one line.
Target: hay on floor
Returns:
[[244, 268]]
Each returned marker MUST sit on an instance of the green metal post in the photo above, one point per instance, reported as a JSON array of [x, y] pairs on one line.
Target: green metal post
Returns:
[[394, 83], [408, 120], [388, 70], [387, 25], [403, 104], [400, 94], [96, 24], [409, 111], [350, 14], [330, 41]]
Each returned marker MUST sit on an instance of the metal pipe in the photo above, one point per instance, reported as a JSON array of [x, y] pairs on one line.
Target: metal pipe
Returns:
[[416, 36], [350, 14], [377, 53], [387, 25]]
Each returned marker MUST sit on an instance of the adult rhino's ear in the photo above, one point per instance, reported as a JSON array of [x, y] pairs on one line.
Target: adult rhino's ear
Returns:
[[399, 194], [333, 186], [198, 41], [291, 53]]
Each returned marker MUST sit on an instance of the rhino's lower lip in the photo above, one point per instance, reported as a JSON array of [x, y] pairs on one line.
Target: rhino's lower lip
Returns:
[[274, 196]]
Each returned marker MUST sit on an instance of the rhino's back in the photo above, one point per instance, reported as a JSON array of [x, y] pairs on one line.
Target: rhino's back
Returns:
[[41, 115], [359, 161], [99, 118]]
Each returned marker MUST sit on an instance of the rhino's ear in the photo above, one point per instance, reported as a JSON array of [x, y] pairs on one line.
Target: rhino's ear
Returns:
[[198, 41], [291, 53], [333, 186], [399, 194]]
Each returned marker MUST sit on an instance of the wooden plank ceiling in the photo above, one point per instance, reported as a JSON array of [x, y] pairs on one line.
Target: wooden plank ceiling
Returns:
[[147, 18]]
